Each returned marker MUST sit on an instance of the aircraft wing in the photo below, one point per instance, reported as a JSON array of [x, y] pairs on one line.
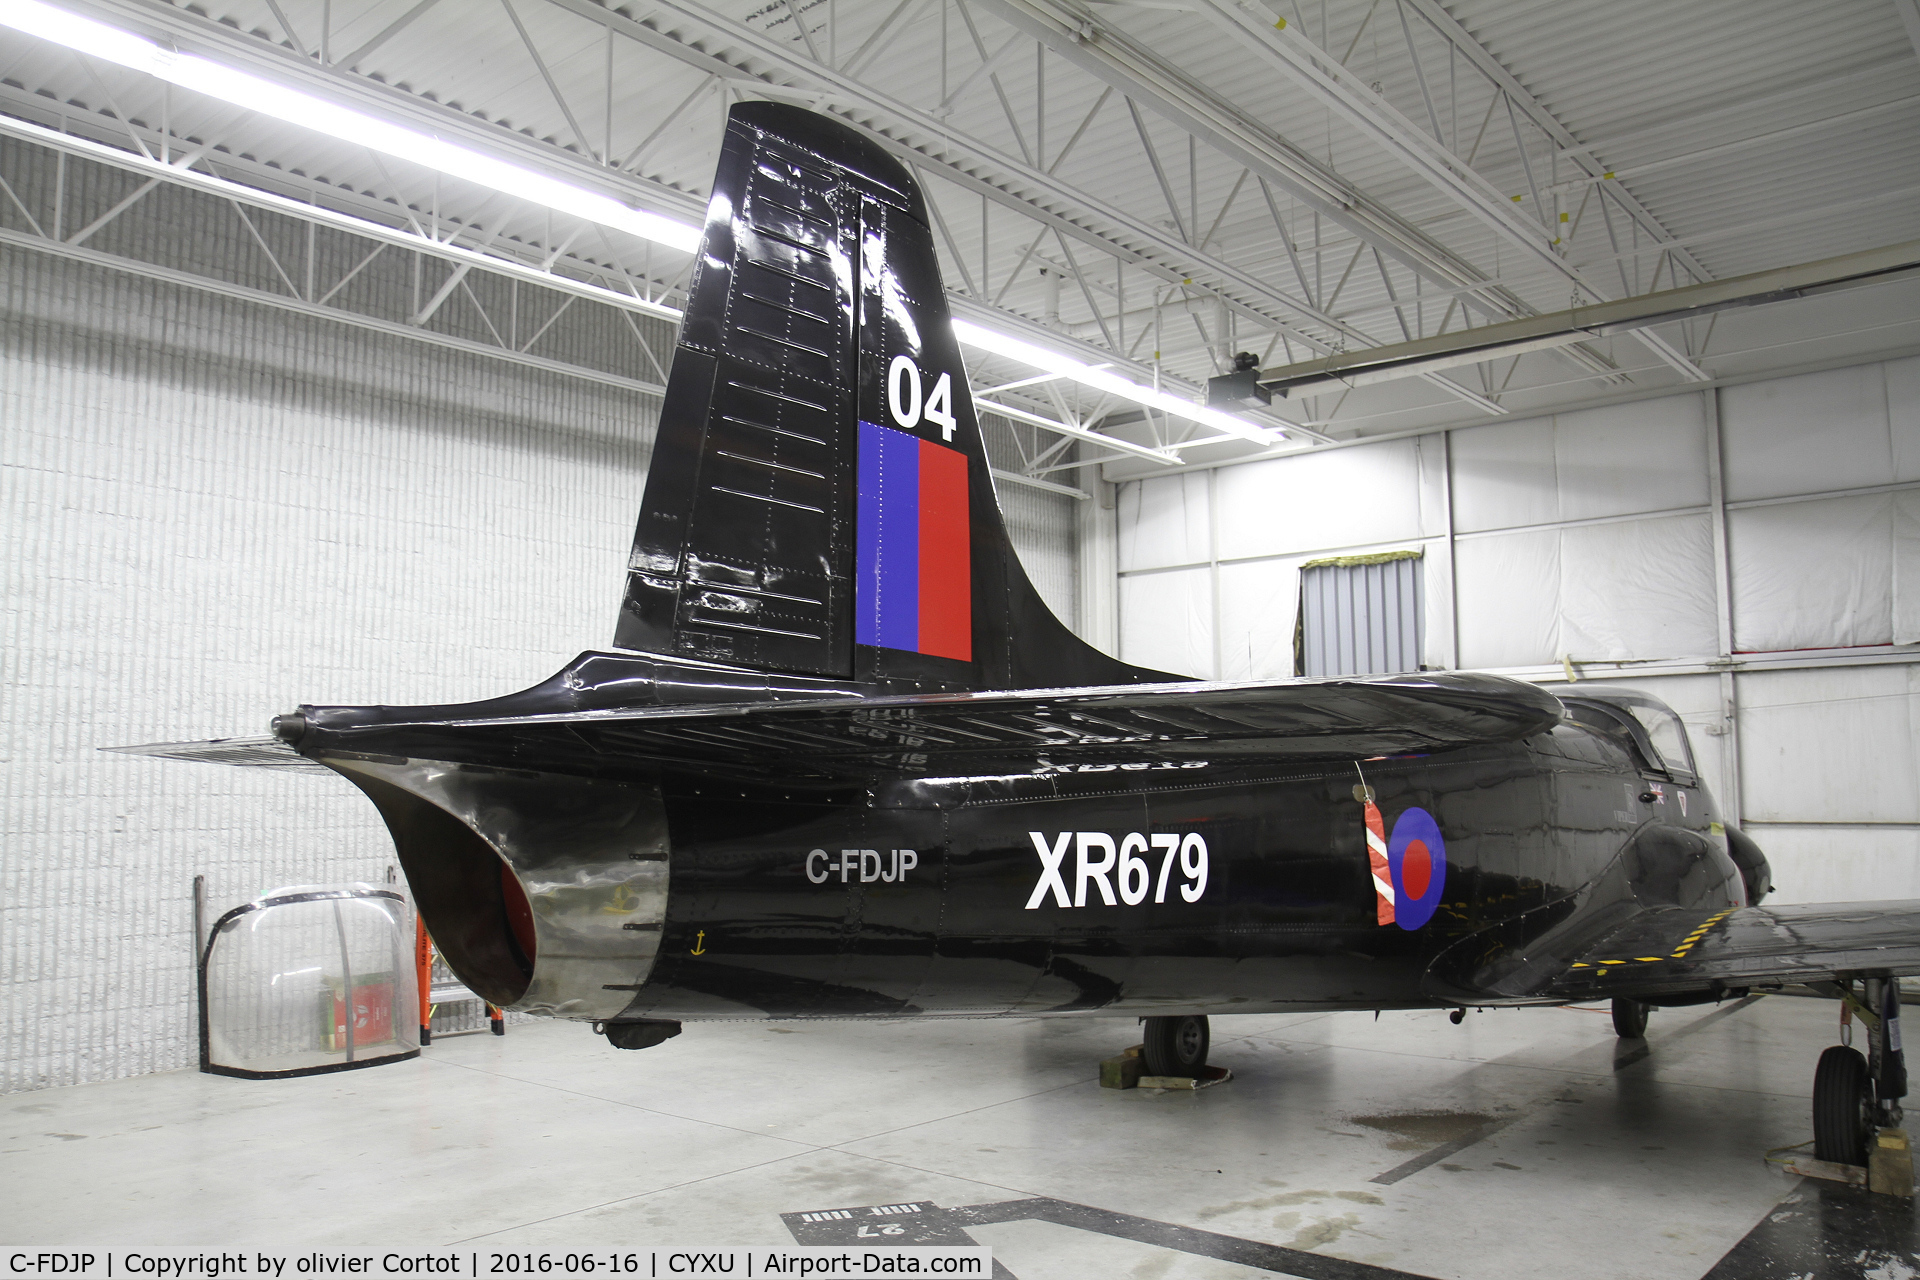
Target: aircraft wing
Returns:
[[1673, 949], [962, 733]]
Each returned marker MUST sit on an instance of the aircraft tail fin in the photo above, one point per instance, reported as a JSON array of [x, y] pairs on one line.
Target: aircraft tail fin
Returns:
[[820, 498]]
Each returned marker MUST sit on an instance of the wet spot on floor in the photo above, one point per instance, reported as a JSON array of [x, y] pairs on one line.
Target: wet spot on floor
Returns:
[[1323, 1232], [1262, 1202], [1419, 1130]]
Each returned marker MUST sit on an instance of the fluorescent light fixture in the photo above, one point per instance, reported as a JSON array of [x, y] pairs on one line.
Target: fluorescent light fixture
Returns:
[[99, 40], [110, 43], [1100, 380]]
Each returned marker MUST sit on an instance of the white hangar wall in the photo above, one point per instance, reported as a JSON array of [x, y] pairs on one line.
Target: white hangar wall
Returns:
[[1590, 538], [216, 511]]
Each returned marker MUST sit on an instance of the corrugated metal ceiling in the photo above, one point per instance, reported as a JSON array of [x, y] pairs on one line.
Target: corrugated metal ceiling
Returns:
[[1634, 83]]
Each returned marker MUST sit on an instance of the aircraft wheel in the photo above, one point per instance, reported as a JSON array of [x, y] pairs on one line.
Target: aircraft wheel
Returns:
[[1630, 1018], [1842, 1106], [1175, 1046]]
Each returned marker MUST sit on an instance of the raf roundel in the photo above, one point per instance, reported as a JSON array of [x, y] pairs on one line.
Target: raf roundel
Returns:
[[1417, 855]]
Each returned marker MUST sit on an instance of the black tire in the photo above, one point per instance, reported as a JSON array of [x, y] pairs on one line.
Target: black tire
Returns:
[[1630, 1018], [1175, 1046], [1842, 1107]]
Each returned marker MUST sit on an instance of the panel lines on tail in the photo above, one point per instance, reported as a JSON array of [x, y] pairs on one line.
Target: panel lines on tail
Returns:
[[768, 499]]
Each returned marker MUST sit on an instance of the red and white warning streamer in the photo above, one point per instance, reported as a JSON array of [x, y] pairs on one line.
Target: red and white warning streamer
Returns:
[[1377, 858]]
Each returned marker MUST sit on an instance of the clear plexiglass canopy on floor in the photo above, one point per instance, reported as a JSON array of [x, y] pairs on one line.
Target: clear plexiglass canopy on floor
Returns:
[[308, 979]]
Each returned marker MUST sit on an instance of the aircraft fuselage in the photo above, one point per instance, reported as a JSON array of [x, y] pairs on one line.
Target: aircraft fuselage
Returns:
[[1140, 889], [1133, 887]]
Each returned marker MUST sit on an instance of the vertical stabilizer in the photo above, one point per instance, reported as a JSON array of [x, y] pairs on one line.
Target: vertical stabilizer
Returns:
[[820, 499]]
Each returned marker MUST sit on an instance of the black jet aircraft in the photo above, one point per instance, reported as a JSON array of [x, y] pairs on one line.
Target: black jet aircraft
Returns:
[[846, 763]]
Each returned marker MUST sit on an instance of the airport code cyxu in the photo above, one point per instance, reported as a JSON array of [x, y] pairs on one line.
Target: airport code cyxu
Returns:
[[742, 1261]]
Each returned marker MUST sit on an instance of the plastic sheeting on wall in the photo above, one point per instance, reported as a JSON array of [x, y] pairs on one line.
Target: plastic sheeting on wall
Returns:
[[1166, 621], [1638, 588], [1354, 497], [1507, 589], [1903, 417], [1165, 521], [1812, 433], [1619, 590], [1241, 517], [1812, 575], [1549, 560], [1612, 461], [1835, 745], [1839, 864], [1834, 572], [1258, 600], [1830, 764]]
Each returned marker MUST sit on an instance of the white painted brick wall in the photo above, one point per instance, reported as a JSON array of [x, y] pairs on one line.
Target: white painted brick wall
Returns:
[[215, 511]]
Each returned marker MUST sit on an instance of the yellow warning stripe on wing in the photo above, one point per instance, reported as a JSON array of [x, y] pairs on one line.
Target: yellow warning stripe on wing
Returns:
[[1693, 939], [1687, 944]]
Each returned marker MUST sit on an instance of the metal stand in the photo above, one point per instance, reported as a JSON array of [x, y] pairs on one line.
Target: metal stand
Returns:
[[423, 974], [199, 917], [433, 994]]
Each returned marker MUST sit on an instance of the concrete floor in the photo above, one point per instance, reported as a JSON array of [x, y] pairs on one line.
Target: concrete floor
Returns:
[[1521, 1140]]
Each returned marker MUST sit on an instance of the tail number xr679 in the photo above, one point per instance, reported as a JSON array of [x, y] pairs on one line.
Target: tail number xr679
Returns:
[[1121, 873]]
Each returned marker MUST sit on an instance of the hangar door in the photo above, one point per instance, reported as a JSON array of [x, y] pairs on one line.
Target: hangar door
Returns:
[[1360, 615]]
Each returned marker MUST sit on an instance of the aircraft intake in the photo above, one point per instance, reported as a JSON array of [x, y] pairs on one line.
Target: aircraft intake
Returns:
[[546, 893]]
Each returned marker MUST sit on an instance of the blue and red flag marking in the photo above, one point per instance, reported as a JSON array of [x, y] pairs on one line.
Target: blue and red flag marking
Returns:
[[1417, 856], [913, 563]]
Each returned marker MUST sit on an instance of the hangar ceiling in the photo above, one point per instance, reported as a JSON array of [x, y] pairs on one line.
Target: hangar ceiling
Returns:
[[1150, 184]]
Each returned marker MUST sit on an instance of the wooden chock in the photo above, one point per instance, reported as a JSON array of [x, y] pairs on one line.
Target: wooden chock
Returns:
[[1122, 1072], [1890, 1164]]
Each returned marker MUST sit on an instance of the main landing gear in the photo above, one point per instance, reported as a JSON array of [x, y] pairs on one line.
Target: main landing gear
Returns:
[[1853, 1095], [1630, 1018], [1175, 1046]]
